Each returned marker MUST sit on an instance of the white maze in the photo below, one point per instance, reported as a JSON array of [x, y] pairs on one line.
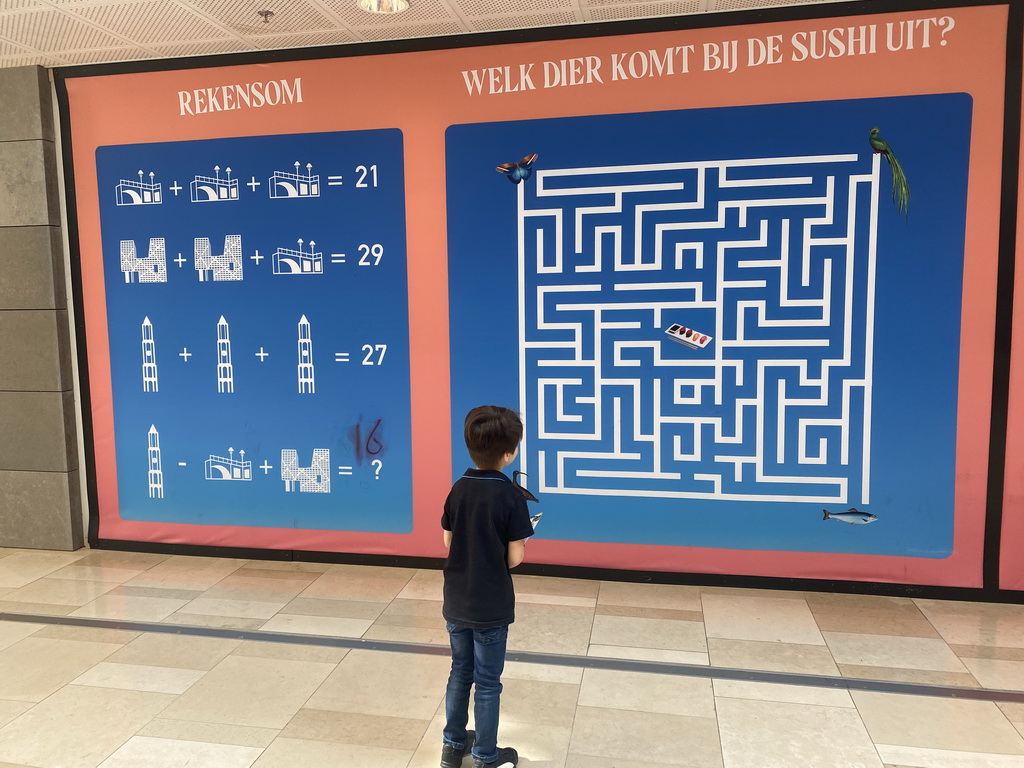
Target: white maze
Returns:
[[772, 258]]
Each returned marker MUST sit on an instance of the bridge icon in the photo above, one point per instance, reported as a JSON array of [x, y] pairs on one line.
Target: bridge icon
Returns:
[[139, 192], [210, 189], [228, 468], [285, 184]]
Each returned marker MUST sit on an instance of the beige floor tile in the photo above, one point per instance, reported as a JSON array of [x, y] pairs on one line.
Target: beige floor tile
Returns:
[[428, 752], [767, 619], [117, 637], [242, 586], [772, 657], [289, 753], [680, 598], [547, 673], [187, 573], [551, 629], [377, 683], [83, 726], [987, 652], [649, 633], [10, 710], [317, 625], [211, 733], [353, 728], [771, 734], [964, 623], [129, 608], [175, 651], [538, 702], [347, 584], [424, 585], [134, 677], [285, 566], [646, 692], [12, 632], [265, 693], [586, 761], [219, 622], [412, 613], [129, 560], [883, 604], [672, 739], [937, 723], [289, 652], [167, 594], [59, 592], [648, 654], [37, 609], [407, 634], [338, 609], [553, 585], [641, 612], [103, 573], [904, 623], [582, 602], [148, 752], [791, 694], [902, 675], [915, 757], [892, 651], [997, 673], [252, 570], [6, 590], [23, 567], [34, 668], [539, 746], [244, 609]]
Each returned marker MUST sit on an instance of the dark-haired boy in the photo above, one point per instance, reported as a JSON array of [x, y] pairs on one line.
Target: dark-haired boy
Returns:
[[486, 525]]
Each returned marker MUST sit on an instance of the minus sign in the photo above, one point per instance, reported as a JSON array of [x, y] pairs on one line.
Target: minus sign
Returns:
[[182, 464]]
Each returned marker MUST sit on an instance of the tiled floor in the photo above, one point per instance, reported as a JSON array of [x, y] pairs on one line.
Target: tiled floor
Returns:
[[118, 697]]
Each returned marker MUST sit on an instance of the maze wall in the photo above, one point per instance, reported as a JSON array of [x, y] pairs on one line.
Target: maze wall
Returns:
[[785, 267]]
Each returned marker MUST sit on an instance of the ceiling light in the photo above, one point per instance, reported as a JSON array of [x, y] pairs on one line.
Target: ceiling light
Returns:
[[384, 6]]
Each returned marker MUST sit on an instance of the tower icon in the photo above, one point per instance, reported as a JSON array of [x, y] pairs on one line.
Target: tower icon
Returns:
[[156, 472], [225, 371], [307, 384], [149, 373]]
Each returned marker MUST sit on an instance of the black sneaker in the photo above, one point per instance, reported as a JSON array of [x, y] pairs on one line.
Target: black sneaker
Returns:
[[507, 758], [452, 757]]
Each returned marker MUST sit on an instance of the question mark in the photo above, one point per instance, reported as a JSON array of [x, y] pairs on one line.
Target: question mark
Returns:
[[377, 463], [947, 23]]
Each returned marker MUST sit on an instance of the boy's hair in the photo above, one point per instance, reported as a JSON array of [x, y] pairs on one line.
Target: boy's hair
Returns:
[[492, 431]]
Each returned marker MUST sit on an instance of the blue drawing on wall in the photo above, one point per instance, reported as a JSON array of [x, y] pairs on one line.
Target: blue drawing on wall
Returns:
[[720, 323], [258, 317]]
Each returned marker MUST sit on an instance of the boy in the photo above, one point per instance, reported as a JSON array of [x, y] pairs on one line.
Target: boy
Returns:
[[486, 525]]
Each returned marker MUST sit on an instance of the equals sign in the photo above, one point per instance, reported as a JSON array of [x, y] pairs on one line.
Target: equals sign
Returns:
[[344, 470], [337, 258], [334, 181], [341, 357]]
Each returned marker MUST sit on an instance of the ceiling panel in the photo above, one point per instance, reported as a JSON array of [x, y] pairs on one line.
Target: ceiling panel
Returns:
[[53, 31], [523, 22], [289, 16], [134, 21]]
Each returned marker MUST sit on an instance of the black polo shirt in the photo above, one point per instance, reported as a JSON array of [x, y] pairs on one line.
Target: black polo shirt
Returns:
[[484, 511]]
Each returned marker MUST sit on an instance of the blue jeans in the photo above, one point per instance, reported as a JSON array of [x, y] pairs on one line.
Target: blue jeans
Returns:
[[478, 656]]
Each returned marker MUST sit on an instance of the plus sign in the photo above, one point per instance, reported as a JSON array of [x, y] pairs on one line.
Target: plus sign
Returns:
[[265, 467], [175, 189], [253, 183], [262, 355], [185, 354], [180, 261], [257, 257]]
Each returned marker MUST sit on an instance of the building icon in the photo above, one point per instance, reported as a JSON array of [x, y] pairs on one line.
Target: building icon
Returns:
[[288, 261], [218, 267], [150, 382], [211, 189], [228, 468], [307, 385], [315, 478], [225, 371], [285, 184], [151, 269], [139, 192], [156, 472]]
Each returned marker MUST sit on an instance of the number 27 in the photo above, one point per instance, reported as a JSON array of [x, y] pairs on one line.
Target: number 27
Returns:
[[370, 349]]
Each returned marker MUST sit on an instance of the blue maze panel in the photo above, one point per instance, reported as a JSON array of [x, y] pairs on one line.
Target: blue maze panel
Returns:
[[258, 319], [715, 332]]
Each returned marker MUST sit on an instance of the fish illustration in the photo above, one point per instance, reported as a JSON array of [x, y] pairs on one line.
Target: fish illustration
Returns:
[[520, 171], [522, 489], [853, 516]]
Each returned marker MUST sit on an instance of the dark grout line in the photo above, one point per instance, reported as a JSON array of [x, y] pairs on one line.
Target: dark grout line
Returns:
[[531, 657]]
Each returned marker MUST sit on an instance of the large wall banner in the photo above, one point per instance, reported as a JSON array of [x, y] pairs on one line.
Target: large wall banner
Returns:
[[739, 281]]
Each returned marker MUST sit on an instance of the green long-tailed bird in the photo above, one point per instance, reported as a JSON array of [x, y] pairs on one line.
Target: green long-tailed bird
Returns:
[[900, 188]]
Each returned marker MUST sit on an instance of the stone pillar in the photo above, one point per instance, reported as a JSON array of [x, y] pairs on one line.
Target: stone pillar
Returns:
[[40, 499]]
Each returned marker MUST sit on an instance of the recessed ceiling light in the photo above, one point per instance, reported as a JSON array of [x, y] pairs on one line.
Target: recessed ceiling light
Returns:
[[384, 6]]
